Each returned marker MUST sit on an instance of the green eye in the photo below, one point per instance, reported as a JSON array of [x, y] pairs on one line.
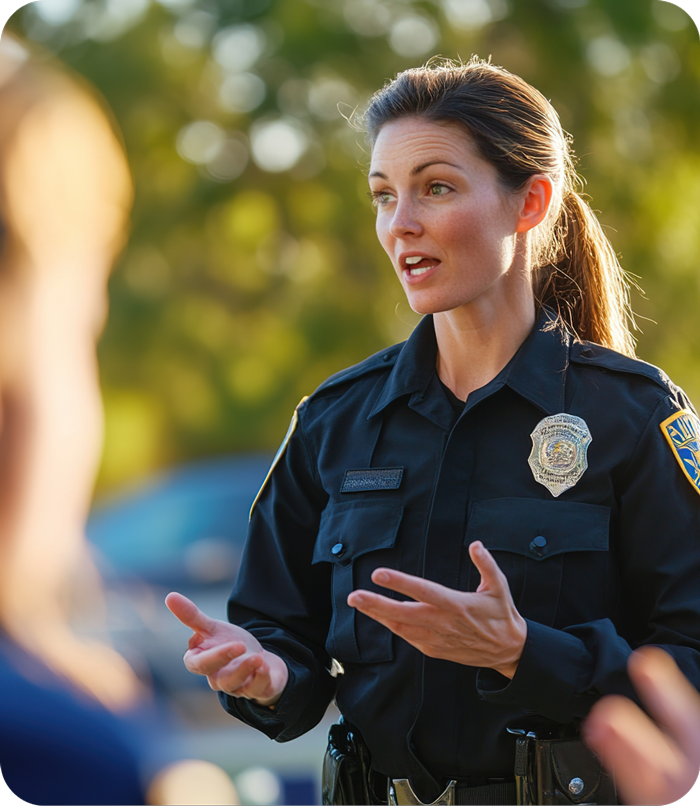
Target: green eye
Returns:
[[439, 190]]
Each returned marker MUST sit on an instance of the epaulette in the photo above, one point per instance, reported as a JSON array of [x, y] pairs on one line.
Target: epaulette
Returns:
[[384, 359], [590, 354]]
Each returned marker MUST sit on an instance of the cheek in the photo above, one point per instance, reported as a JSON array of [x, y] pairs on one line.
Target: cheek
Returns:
[[382, 227]]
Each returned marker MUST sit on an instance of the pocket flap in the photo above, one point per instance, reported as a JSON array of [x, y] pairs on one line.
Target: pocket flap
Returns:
[[538, 528], [351, 529]]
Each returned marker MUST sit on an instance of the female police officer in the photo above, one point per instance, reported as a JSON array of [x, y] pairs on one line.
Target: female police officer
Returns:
[[478, 525]]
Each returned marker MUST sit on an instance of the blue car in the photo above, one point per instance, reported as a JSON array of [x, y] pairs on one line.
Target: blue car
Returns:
[[184, 530]]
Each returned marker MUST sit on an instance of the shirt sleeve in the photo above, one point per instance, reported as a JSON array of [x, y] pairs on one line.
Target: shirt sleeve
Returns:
[[563, 672], [284, 600]]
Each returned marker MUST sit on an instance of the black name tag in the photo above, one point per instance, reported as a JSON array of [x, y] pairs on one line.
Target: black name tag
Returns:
[[373, 478]]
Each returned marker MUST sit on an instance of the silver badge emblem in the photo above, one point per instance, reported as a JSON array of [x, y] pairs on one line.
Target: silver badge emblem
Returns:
[[558, 458]]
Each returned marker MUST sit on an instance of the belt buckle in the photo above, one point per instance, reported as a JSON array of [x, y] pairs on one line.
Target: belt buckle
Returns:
[[401, 794]]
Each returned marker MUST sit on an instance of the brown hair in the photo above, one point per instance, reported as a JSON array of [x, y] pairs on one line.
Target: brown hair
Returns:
[[515, 128]]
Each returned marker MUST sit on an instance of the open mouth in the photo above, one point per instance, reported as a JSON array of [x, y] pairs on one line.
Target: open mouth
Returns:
[[416, 265]]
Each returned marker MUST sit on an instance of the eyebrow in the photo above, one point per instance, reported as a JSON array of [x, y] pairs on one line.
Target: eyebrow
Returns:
[[415, 171]]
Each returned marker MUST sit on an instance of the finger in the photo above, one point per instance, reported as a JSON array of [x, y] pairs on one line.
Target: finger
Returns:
[[212, 660], [234, 678], [189, 614], [380, 607], [492, 578], [668, 696], [644, 760], [422, 590]]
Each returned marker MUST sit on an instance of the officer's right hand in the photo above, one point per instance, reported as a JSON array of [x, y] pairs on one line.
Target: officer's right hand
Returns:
[[232, 660]]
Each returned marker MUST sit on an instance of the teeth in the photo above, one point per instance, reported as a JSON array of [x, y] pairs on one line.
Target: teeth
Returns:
[[416, 272], [413, 259]]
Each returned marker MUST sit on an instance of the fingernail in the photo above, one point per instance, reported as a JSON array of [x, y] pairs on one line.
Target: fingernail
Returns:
[[357, 600], [381, 577]]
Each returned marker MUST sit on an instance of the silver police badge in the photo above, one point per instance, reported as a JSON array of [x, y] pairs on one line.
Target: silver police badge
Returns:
[[558, 458]]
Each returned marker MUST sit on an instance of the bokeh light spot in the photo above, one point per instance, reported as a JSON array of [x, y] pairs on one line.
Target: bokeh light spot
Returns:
[[238, 47], [230, 160], [474, 14], [200, 142], [660, 62], [608, 56], [278, 145], [413, 35], [258, 785], [242, 92], [57, 12], [670, 16]]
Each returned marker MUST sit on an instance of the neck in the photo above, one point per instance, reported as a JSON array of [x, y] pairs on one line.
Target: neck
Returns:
[[476, 342]]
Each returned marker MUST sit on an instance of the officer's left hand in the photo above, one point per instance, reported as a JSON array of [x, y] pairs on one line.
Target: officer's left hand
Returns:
[[480, 628]]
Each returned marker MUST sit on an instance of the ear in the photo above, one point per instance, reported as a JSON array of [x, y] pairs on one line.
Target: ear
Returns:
[[536, 199]]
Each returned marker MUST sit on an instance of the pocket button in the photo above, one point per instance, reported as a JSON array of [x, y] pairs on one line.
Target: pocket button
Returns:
[[337, 550], [539, 546]]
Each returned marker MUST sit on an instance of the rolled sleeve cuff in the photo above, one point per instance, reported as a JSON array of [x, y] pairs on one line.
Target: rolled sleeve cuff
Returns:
[[550, 678]]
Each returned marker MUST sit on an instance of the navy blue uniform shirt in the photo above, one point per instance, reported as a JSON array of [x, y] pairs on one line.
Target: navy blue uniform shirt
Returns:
[[620, 565]]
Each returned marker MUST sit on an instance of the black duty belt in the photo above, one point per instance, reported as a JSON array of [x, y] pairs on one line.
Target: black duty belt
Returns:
[[492, 792]]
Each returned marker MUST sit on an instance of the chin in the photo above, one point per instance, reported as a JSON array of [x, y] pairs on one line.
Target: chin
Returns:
[[422, 304]]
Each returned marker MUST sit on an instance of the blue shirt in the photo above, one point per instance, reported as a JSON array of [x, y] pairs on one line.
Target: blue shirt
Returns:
[[58, 745], [619, 567]]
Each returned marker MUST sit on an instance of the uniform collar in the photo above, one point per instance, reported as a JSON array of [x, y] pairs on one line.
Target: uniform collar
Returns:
[[537, 371]]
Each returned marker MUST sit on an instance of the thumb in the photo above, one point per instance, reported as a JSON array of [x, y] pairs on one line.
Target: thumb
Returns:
[[492, 578], [186, 611]]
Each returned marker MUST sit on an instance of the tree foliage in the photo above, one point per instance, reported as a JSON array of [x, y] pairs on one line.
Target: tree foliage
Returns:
[[253, 272]]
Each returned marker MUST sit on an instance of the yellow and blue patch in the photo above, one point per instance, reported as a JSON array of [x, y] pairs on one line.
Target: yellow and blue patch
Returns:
[[682, 431]]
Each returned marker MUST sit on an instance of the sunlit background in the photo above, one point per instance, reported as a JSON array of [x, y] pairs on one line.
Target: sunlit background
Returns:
[[252, 271]]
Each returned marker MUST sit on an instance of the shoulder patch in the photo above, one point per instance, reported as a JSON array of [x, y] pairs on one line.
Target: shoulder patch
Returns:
[[280, 453], [682, 431]]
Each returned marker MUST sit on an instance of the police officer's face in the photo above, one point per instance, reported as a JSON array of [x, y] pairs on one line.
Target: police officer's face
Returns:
[[448, 226]]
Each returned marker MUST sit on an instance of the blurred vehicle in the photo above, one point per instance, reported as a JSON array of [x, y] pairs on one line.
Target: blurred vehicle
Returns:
[[185, 530]]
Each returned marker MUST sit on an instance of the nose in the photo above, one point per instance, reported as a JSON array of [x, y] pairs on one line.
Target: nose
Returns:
[[405, 220]]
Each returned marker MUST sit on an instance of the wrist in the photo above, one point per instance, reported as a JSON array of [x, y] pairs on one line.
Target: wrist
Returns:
[[278, 677], [510, 666]]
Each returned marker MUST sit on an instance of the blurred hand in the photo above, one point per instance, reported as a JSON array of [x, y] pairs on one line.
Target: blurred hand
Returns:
[[232, 660], [480, 628], [652, 763]]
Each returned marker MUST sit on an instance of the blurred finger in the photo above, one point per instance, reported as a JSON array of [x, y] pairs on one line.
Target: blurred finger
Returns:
[[643, 759], [669, 697], [186, 611]]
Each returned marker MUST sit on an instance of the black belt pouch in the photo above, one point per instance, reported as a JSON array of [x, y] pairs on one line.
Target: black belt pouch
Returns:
[[560, 771], [348, 777]]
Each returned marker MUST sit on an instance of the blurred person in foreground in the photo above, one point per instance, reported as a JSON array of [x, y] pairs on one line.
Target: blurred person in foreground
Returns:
[[67, 706]]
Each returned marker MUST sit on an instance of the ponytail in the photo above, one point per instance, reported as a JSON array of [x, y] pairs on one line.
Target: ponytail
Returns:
[[583, 281], [516, 129]]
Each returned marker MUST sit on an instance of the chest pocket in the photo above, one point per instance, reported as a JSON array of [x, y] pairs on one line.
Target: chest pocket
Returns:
[[356, 538], [531, 540]]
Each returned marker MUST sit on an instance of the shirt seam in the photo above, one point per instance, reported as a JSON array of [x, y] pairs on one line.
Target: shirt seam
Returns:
[[633, 456]]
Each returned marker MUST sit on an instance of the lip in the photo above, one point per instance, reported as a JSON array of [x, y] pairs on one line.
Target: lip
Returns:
[[405, 270]]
